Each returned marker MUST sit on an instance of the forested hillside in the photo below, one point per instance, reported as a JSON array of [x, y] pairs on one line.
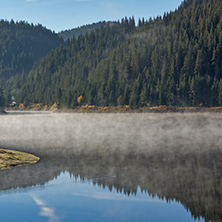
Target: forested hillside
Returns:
[[76, 32], [171, 60], [21, 44]]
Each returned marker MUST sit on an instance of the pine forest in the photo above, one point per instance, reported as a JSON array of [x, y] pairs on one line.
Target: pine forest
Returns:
[[172, 60]]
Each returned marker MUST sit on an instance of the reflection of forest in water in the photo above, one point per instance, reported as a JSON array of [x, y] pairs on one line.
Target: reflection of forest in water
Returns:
[[185, 166], [193, 179]]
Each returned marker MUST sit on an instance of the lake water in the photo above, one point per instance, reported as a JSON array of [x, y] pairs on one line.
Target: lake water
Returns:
[[113, 167]]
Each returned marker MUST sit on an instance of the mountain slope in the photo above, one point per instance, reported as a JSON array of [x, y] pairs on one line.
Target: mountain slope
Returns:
[[21, 44], [76, 32], [174, 60]]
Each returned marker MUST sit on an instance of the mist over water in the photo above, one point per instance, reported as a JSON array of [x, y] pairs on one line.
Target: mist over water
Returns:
[[115, 132], [171, 156]]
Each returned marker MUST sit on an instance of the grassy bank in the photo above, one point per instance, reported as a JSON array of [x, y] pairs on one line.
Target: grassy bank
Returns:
[[10, 159]]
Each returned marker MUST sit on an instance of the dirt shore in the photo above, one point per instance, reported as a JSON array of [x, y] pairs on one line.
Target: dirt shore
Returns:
[[114, 109], [10, 159]]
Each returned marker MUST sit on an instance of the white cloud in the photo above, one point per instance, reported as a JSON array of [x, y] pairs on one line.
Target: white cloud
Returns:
[[48, 212], [45, 211], [38, 201]]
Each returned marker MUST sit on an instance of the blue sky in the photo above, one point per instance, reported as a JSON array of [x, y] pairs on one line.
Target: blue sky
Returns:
[[60, 15]]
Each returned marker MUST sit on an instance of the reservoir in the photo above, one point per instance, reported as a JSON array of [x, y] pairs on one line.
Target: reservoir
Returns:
[[113, 167]]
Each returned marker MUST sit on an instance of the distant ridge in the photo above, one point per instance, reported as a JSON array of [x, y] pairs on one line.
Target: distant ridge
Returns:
[[69, 34], [22, 44]]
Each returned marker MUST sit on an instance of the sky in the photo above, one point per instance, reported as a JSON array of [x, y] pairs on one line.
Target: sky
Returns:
[[59, 15]]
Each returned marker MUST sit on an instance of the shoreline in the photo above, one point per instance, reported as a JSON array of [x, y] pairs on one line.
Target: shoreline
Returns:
[[113, 109]]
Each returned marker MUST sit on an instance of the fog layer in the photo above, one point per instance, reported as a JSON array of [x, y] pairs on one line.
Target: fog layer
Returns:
[[115, 132]]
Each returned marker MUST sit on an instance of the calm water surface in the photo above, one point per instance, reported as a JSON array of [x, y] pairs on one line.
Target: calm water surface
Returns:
[[113, 167], [67, 199]]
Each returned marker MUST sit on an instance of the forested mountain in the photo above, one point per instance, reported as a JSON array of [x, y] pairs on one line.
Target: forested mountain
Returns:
[[21, 44], [171, 60], [76, 32]]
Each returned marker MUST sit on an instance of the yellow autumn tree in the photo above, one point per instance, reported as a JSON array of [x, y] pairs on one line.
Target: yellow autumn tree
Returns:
[[80, 100]]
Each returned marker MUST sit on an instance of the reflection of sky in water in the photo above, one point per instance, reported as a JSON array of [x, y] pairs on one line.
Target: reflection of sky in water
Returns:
[[65, 199]]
